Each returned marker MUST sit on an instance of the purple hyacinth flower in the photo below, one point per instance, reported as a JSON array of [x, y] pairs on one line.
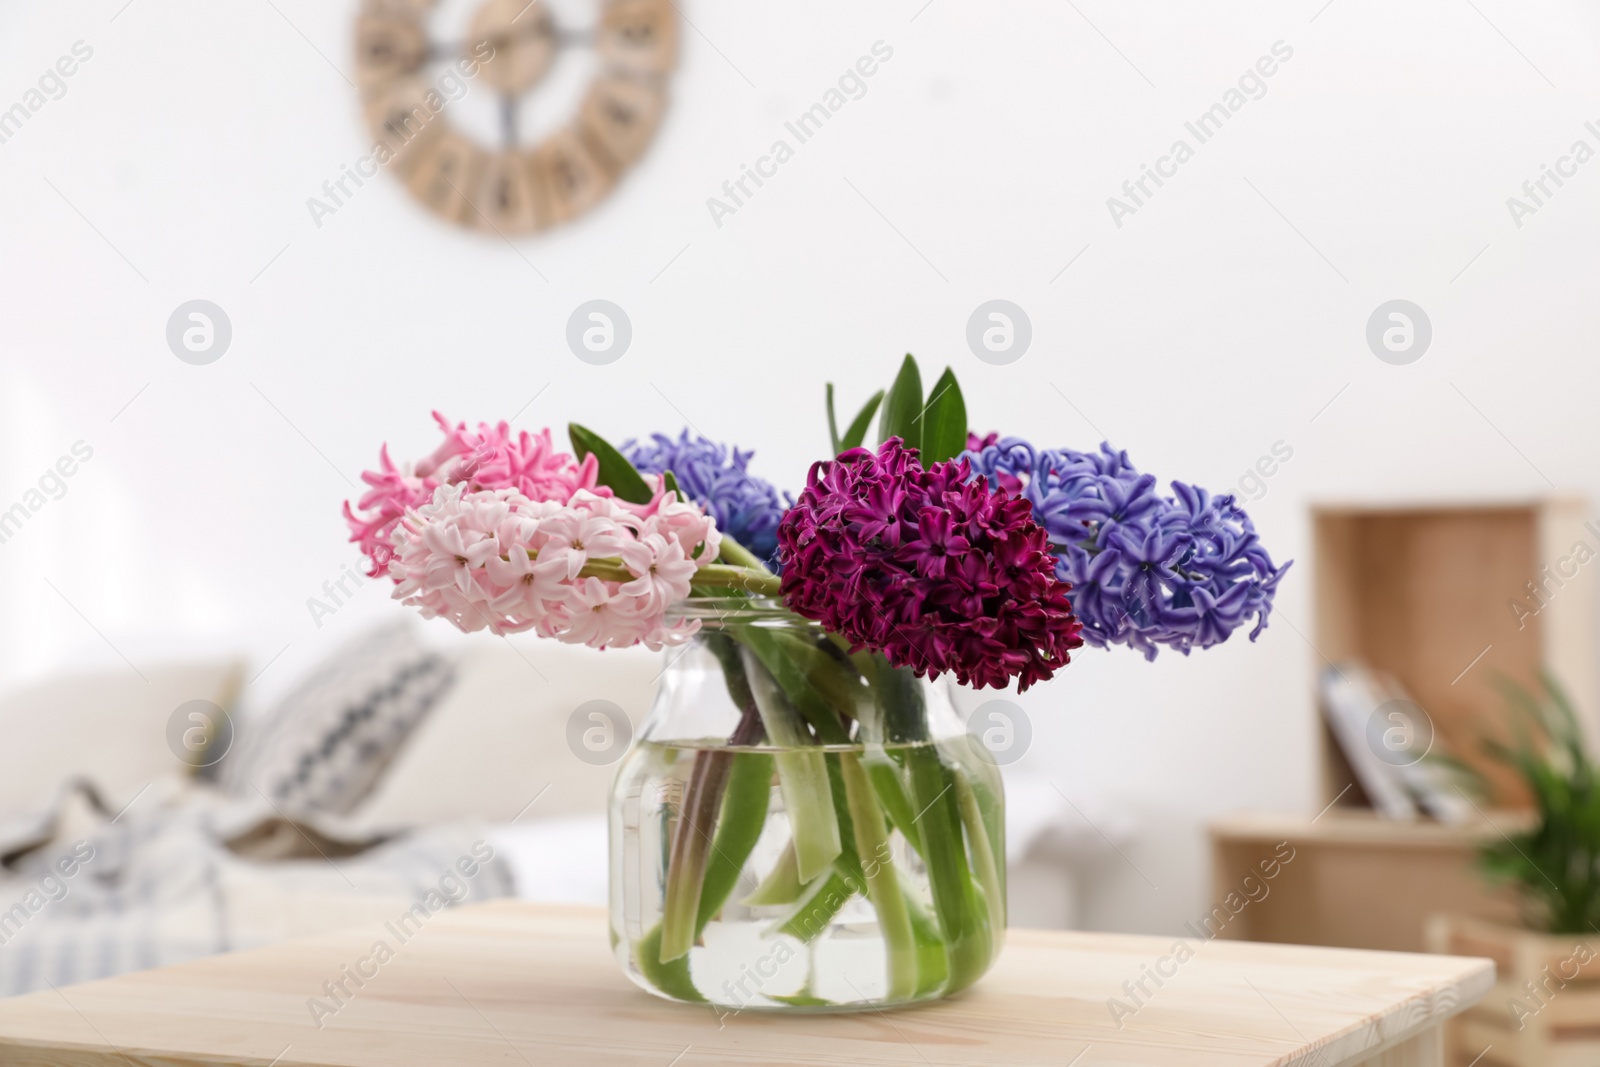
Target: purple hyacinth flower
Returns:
[[1147, 571], [746, 508]]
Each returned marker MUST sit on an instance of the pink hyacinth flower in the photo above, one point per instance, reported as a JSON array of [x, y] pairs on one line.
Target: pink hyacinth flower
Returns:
[[488, 458], [496, 559]]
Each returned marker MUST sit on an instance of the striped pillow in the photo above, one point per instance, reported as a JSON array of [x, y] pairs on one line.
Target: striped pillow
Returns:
[[325, 746]]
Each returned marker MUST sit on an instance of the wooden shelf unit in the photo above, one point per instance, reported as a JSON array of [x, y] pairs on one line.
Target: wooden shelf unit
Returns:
[[1356, 879], [1425, 594]]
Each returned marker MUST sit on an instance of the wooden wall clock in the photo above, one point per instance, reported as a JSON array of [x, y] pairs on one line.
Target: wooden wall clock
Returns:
[[409, 81]]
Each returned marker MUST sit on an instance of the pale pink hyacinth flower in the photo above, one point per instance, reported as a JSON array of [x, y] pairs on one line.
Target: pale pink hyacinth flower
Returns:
[[662, 566], [581, 536], [491, 457], [497, 560]]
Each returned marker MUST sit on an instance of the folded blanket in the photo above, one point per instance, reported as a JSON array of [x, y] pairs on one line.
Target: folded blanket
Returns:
[[186, 871]]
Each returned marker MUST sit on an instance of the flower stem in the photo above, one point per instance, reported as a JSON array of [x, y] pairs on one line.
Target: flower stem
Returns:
[[672, 977], [751, 579], [990, 875], [722, 576], [691, 844], [782, 884], [883, 882], [881, 767], [802, 775], [744, 815], [815, 910], [885, 775], [697, 885], [955, 900], [740, 556], [960, 916], [811, 680], [932, 965]]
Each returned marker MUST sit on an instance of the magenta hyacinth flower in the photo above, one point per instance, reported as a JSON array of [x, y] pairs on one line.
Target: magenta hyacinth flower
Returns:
[[935, 570]]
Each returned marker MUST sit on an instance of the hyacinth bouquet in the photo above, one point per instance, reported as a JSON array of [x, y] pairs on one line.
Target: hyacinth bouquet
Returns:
[[803, 822]]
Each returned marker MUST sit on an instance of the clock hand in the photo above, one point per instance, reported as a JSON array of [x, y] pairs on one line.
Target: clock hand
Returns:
[[508, 119], [560, 36]]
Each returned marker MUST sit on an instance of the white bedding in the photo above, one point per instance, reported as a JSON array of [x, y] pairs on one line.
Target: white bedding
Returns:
[[555, 861]]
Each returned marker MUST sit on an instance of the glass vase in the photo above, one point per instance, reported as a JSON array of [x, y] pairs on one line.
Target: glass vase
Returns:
[[802, 829]]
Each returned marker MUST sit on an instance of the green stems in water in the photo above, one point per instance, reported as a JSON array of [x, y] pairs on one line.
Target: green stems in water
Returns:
[[954, 901], [691, 844], [983, 851], [782, 884], [826, 690], [815, 909], [802, 776], [962, 915], [933, 966], [744, 815], [885, 776], [697, 886], [883, 884], [855, 760]]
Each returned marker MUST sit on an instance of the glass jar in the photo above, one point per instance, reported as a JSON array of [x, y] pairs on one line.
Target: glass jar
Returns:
[[798, 828]]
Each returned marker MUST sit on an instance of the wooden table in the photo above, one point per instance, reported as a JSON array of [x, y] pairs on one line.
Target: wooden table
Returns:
[[520, 984]]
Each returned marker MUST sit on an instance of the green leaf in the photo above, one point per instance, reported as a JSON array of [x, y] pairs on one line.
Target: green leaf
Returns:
[[615, 470], [801, 1000], [782, 884], [670, 482], [871, 835], [1563, 717], [813, 681], [932, 966], [885, 777], [744, 816], [833, 423], [1556, 864], [902, 408], [858, 429], [672, 977], [944, 421], [812, 913], [802, 775], [967, 935]]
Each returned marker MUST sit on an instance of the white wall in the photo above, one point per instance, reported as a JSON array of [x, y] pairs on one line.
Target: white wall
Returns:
[[1197, 334]]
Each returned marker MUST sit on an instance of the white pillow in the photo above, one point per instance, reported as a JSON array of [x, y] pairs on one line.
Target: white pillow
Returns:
[[110, 727], [499, 738]]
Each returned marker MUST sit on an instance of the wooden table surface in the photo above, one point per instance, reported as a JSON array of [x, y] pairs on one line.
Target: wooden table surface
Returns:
[[513, 984]]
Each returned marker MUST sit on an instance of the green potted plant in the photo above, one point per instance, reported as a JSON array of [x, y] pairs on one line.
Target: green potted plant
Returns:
[[1546, 1006]]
